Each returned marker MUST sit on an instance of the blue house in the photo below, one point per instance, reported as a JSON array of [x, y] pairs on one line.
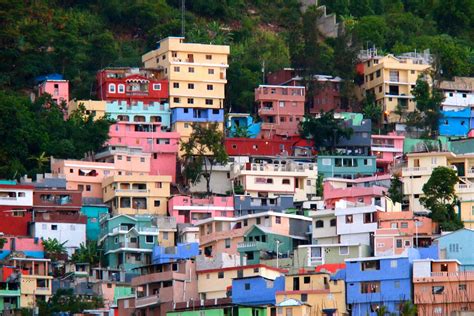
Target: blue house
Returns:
[[139, 112], [93, 213], [196, 115], [346, 166], [373, 282], [458, 245], [256, 290], [243, 121], [455, 123], [169, 254]]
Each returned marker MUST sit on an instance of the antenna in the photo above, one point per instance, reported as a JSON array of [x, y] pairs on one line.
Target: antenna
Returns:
[[183, 9]]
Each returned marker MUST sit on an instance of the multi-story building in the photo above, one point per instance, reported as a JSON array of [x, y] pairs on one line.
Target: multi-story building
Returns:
[[455, 123], [274, 177], [398, 231], [31, 247], [215, 283], [286, 146], [57, 200], [440, 287], [93, 212], [458, 93], [221, 306], [159, 286], [58, 89], [387, 149], [128, 241], [97, 108], [457, 245], [87, 176], [219, 182], [346, 166], [281, 109], [316, 255], [376, 282], [223, 234], [16, 202], [163, 146], [345, 190], [9, 290], [246, 204], [35, 280], [256, 290], [137, 194], [187, 209], [324, 293], [390, 79], [197, 78], [359, 142]]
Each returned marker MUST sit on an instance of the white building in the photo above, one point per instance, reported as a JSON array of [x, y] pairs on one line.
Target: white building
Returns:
[[16, 195], [68, 229], [458, 93]]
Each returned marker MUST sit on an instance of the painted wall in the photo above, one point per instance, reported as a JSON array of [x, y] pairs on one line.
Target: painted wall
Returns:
[[93, 213], [73, 234], [256, 291], [458, 245]]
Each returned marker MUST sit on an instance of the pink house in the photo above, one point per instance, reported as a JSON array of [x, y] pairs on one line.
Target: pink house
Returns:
[[398, 231], [281, 109], [387, 148], [87, 176], [58, 89], [163, 146], [187, 209], [349, 191], [31, 247]]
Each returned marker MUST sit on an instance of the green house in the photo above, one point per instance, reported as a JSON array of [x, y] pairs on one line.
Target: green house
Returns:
[[222, 311], [262, 243], [93, 213], [9, 296]]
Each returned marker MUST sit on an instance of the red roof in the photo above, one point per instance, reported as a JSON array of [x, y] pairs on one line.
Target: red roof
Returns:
[[330, 267]]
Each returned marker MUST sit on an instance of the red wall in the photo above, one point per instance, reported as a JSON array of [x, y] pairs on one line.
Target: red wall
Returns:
[[264, 147], [13, 225]]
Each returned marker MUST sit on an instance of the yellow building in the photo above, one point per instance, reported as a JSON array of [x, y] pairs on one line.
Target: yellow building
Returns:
[[197, 79], [419, 169], [317, 290], [92, 107], [130, 194], [391, 78], [35, 282], [214, 283]]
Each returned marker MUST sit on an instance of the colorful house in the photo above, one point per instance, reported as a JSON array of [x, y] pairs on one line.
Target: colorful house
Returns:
[[256, 290], [387, 149], [129, 194], [323, 293], [441, 287], [57, 200], [350, 193], [457, 245], [281, 109], [245, 204], [187, 209], [455, 123], [57, 88], [217, 307], [9, 290], [376, 282], [240, 125], [315, 255], [458, 93], [30, 247], [346, 166], [278, 146], [171, 254], [16, 202], [93, 214]]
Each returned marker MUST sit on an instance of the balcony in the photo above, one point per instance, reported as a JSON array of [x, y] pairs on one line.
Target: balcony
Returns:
[[131, 191], [252, 246], [147, 301], [464, 188], [452, 276]]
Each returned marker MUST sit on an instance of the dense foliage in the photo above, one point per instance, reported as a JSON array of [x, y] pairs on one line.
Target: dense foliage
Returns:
[[64, 300]]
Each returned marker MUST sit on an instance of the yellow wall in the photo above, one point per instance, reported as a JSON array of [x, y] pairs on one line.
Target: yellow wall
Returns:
[[28, 289], [93, 106]]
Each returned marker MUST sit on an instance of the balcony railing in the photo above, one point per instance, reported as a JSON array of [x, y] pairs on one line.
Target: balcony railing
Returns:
[[147, 300], [457, 274], [258, 245], [131, 191], [42, 289]]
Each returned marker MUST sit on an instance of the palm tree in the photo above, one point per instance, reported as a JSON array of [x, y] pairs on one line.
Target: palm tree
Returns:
[[41, 160], [408, 309], [54, 249], [87, 253]]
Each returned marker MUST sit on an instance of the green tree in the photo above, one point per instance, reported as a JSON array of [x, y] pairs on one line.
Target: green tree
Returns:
[[440, 198], [54, 249], [372, 31], [87, 253], [408, 309], [374, 112], [202, 151], [64, 300], [395, 192], [428, 103], [324, 130]]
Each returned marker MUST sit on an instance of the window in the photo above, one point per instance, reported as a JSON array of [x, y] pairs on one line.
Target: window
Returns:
[[304, 297], [157, 86], [157, 203], [215, 111], [349, 219], [208, 57], [176, 69], [285, 181], [176, 100], [174, 54], [165, 235], [394, 225], [246, 222], [256, 270], [281, 104], [210, 87], [186, 125], [369, 218], [464, 95], [462, 287], [80, 187], [220, 275], [396, 284], [209, 101], [437, 310], [54, 227], [407, 243], [454, 247], [210, 71], [129, 158], [437, 289], [393, 263], [149, 239], [116, 240], [277, 219], [176, 85], [247, 286], [370, 265], [190, 101], [121, 88], [399, 243], [111, 87], [227, 243], [289, 311], [190, 85], [319, 224], [343, 250], [307, 280], [369, 287], [88, 187], [333, 222], [191, 69]]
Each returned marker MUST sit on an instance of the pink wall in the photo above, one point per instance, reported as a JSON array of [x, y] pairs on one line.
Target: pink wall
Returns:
[[353, 194], [23, 243], [163, 159], [426, 226], [393, 145], [58, 89], [212, 207]]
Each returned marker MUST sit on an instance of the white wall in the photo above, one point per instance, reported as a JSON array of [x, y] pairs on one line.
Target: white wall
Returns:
[[71, 233], [456, 101], [25, 200], [421, 268]]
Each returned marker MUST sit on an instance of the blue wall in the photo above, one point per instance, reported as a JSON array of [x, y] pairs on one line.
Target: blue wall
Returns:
[[28, 254], [253, 129], [390, 293], [365, 165], [116, 108], [258, 293], [169, 254], [455, 123], [93, 213], [196, 115], [458, 245]]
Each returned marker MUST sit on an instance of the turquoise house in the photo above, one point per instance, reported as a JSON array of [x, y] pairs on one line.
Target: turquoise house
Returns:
[[345, 166], [140, 112], [93, 213], [458, 245], [243, 122], [127, 241]]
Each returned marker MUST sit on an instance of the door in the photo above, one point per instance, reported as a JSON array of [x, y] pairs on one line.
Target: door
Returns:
[[296, 284]]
